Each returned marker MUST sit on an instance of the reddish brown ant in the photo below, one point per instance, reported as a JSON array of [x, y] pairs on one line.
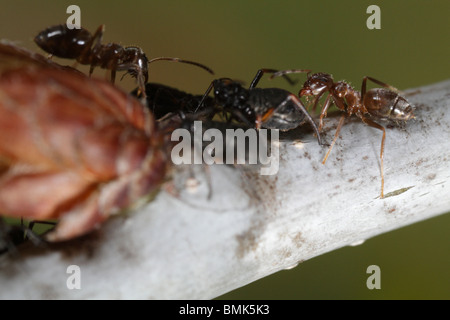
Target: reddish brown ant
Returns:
[[87, 49], [379, 103]]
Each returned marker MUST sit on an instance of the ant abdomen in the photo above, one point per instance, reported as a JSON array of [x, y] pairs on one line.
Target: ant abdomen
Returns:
[[287, 116], [63, 42], [386, 104]]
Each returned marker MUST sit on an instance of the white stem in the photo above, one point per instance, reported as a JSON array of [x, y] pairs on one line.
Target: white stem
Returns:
[[189, 247]]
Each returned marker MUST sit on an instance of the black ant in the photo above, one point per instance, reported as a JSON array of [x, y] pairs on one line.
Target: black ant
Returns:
[[379, 103], [270, 108], [12, 236], [87, 49]]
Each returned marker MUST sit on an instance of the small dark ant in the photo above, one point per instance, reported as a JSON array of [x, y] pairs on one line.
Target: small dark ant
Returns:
[[12, 236], [87, 49], [270, 108], [379, 103]]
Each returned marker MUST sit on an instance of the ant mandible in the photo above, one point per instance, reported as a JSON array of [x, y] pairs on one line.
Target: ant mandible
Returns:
[[270, 108], [87, 49], [379, 103]]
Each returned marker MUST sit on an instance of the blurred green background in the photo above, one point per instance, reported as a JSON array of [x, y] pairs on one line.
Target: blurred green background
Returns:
[[236, 38]]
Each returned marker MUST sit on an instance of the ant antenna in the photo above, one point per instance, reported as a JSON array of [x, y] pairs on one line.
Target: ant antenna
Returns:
[[283, 73], [182, 61]]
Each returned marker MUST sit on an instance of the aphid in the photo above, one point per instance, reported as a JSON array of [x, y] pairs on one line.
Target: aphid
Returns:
[[87, 49], [378, 103], [73, 148], [270, 108]]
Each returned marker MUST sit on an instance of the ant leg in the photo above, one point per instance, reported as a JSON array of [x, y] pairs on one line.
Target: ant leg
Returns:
[[261, 72], [91, 70], [35, 238], [141, 85], [33, 222], [259, 75], [385, 85], [323, 112], [113, 75], [315, 102], [97, 37], [283, 73], [95, 42], [302, 108], [182, 61], [380, 127], [148, 122], [260, 119], [336, 135], [204, 96]]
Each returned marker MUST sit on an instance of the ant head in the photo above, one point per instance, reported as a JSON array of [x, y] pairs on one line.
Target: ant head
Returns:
[[63, 42], [230, 93], [137, 60], [316, 83]]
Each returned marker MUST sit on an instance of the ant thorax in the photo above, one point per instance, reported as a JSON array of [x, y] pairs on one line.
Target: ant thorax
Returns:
[[230, 94], [347, 98]]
